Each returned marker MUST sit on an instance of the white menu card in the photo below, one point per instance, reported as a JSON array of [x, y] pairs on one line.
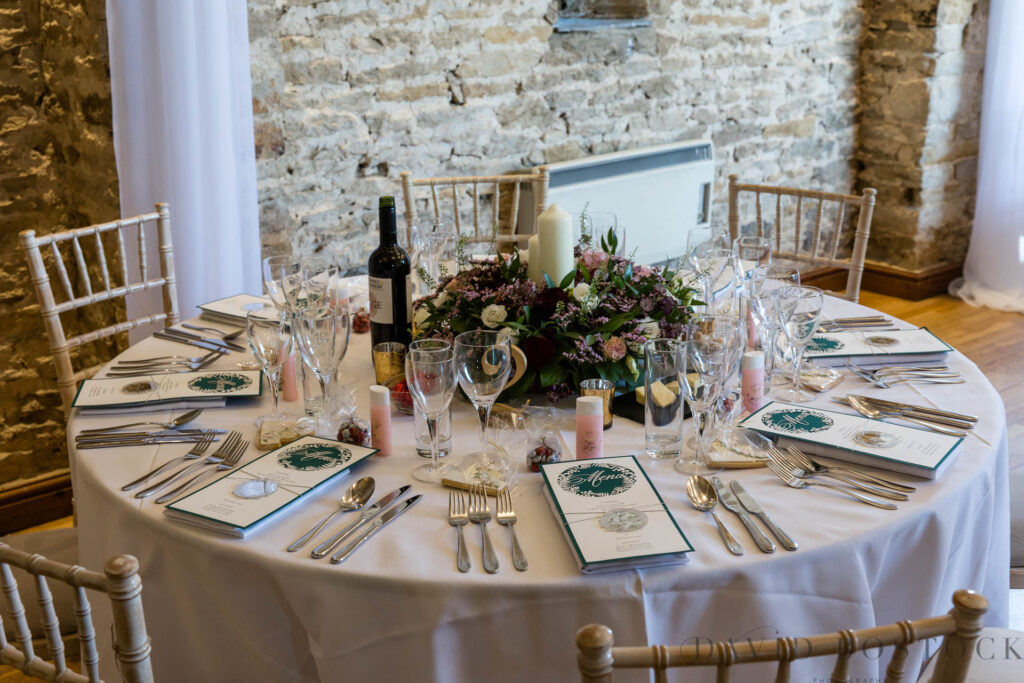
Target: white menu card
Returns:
[[857, 439], [297, 469], [873, 346], [233, 308], [612, 515], [119, 392]]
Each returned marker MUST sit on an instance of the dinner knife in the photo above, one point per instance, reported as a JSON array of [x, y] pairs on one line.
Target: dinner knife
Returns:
[[377, 525], [729, 502], [190, 342], [751, 505], [920, 409], [111, 443], [382, 503], [908, 412], [208, 340], [83, 436]]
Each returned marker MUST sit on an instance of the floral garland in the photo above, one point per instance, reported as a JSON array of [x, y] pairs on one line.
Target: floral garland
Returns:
[[592, 324]]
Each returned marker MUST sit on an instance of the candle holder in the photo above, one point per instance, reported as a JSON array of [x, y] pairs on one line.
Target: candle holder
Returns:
[[605, 390], [388, 361]]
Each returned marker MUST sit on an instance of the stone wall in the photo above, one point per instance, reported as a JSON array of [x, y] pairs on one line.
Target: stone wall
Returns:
[[347, 96], [56, 171]]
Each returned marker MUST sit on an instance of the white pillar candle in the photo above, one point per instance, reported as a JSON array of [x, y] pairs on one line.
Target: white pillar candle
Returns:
[[554, 228], [533, 260]]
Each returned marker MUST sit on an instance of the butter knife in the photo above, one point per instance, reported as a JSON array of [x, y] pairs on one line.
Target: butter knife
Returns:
[[377, 525], [751, 505], [729, 502], [921, 409], [325, 548]]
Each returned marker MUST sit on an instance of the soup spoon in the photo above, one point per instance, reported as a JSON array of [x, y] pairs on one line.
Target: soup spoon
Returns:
[[702, 496], [353, 499]]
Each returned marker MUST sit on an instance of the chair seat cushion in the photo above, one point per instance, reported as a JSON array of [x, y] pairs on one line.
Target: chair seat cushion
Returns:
[[54, 544], [998, 658]]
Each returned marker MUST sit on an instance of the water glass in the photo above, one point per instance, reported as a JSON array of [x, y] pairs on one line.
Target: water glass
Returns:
[[757, 250], [422, 433], [798, 311], [663, 414], [430, 375], [758, 315]]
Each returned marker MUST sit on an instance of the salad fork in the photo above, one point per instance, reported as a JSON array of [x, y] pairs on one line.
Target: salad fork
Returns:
[[458, 517], [793, 481], [227, 463], [197, 451], [506, 516], [797, 470], [816, 467], [480, 513], [226, 448]]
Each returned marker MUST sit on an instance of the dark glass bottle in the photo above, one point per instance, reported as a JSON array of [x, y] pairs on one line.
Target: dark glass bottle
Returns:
[[390, 286]]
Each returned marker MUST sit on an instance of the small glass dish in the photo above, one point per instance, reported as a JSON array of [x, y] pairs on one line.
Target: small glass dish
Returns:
[[401, 399]]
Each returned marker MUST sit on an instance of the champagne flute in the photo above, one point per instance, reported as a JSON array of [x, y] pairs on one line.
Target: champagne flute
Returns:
[[713, 261], [701, 369], [270, 340], [483, 362], [798, 310], [430, 375], [729, 332], [323, 335]]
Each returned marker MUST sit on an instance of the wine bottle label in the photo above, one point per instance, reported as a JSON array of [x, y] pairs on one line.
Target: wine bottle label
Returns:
[[380, 301]]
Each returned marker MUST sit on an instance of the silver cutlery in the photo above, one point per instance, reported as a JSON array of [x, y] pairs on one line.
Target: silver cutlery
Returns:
[[227, 336], [458, 517], [480, 513], [703, 497], [376, 526], [167, 359], [220, 341], [226, 447], [887, 409], [874, 413], [138, 369], [355, 497], [922, 409], [197, 451], [143, 435], [176, 422], [382, 503], [190, 342], [506, 516], [227, 463], [730, 503], [795, 467], [145, 441], [812, 465], [793, 481], [892, 379], [752, 506]]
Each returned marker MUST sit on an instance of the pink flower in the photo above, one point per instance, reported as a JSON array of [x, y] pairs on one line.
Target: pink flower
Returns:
[[614, 348], [593, 259], [643, 271]]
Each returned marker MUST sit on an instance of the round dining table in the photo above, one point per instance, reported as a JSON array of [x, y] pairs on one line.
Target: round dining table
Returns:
[[225, 609]]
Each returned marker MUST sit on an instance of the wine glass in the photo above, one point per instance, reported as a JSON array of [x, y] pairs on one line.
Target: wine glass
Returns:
[[282, 277], [590, 225], [713, 261], [270, 340], [483, 362], [709, 238], [323, 334], [437, 243], [798, 310], [767, 278], [430, 375], [729, 332], [319, 282], [757, 250], [701, 369]]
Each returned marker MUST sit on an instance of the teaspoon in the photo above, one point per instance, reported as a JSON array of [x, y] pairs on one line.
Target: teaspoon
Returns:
[[353, 499], [182, 419], [702, 496]]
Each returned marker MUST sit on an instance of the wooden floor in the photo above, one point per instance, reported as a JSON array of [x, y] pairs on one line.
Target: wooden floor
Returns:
[[994, 340]]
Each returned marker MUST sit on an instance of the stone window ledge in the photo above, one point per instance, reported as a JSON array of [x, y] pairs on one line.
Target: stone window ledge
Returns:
[[580, 25]]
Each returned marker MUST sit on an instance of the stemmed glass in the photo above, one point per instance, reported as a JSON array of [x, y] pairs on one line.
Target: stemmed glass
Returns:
[[771, 277], [430, 375], [757, 250], [706, 360], [270, 340], [323, 334], [713, 261], [282, 277], [730, 333], [708, 238], [437, 243], [798, 310], [483, 362], [319, 283]]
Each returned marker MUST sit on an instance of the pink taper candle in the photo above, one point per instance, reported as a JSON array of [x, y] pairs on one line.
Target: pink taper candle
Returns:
[[289, 381], [589, 427], [380, 419]]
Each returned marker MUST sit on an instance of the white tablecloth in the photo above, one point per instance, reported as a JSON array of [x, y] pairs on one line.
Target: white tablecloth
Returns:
[[223, 609]]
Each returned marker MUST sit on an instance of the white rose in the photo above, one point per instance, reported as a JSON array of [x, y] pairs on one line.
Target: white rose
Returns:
[[581, 291], [651, 330], [493, 315], [420, 316]]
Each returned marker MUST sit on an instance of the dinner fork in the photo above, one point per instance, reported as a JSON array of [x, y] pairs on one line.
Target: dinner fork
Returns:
[[226, 447], [506, 516], [813, 465], [227, 463], [458, 517], [167, 359], [198, 450], [798, 470], [795, 482], [480, 513], [120, 370]]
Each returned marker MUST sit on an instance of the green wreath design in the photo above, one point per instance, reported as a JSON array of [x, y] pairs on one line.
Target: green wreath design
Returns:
[[824, 345], [797, 421], [596, 480], [313, 456], [220, 383]]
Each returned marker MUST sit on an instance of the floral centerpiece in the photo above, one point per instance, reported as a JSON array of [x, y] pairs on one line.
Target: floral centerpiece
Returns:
[[591, 324]]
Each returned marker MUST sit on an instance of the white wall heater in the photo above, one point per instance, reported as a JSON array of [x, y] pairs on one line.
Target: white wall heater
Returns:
[[658, 193]]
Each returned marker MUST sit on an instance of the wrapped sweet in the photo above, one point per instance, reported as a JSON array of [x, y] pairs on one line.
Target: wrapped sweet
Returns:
[[355, 431], [546, 451]]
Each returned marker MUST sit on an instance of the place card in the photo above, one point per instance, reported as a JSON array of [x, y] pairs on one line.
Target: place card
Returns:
[[244, 500], [232, 310], [612, 516], [856, 439], [208, 386], [873, 346]]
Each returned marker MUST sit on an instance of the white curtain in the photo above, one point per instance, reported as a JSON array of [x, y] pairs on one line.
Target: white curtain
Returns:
[[183, 134], [994, 270]]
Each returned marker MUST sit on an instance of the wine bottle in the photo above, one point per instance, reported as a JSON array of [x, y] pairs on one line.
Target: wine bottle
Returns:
[[390, 286]]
